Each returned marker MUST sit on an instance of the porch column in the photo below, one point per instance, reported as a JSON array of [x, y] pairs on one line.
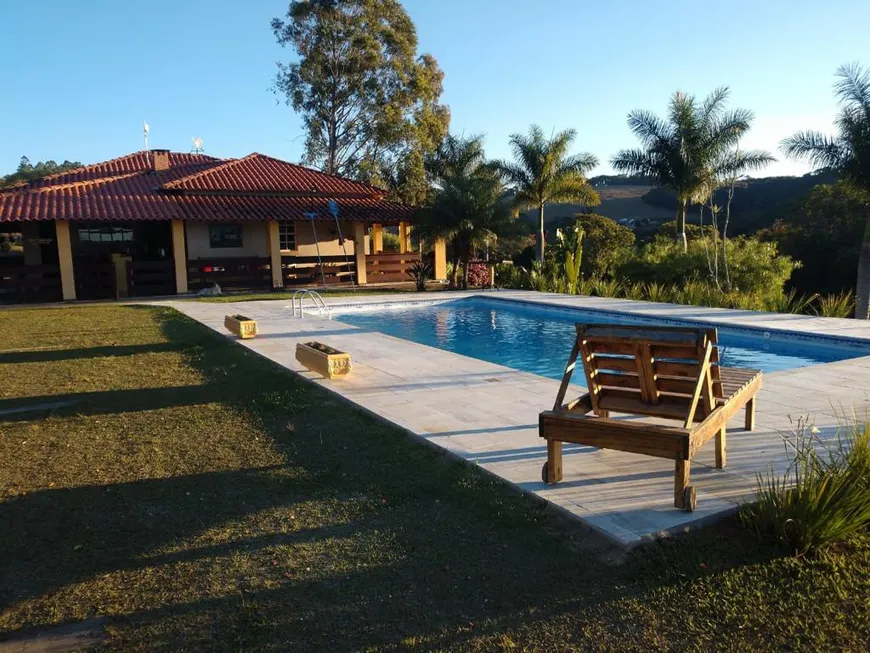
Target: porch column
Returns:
[[440, 259], [179, 256], [359, 251], [274, 244], [404, 238], [65, 260], [377, 238]]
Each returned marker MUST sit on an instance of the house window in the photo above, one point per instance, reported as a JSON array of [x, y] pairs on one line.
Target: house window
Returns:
[[106, 234], [287, 235], [224, 235]]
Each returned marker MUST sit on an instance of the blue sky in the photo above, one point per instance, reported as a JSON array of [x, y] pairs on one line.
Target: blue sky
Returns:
[[80, 77]]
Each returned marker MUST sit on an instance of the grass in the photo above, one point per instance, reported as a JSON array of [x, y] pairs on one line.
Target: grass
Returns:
[[199, 497]]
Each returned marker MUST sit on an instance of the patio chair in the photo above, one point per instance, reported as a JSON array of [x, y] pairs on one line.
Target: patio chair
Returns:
[[664, 372]]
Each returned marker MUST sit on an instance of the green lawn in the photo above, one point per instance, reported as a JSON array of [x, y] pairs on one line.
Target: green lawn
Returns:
[[201, 498]]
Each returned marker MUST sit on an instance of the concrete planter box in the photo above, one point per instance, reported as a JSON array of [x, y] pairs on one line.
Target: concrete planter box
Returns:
[[323, 359], [241, 326]]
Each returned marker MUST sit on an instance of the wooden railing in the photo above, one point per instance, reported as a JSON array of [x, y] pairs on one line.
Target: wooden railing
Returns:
[[148, 278], [242, 273], [29, 283], [95, 279], [306, 270], [389, 268]]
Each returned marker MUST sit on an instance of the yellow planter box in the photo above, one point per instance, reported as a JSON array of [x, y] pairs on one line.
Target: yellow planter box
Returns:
[[323, 359], [240, 325]]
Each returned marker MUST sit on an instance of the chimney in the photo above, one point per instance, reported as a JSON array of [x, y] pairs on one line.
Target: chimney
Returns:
[[160, 159]]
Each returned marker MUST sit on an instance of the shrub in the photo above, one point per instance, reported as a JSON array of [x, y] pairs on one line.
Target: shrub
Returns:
[[511, 276], [478, 275], [606, 243], [835, 305], [823, 498], [420, 272], [793, 303], [756, 269]]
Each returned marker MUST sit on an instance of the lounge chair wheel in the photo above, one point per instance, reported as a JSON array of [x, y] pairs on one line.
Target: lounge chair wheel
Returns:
[[690, 498], [544, 469]]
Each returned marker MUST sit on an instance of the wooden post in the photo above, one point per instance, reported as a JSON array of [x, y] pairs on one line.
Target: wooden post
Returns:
[[750, 414], [404, 239], [554, 461], [681, 480], [377, 242], [440, 260], [273, 242], [179, 255], [64, 256], [359, 251], [720, 448]]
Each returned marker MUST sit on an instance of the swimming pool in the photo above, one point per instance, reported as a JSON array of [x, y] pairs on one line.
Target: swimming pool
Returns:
[[538, 339]]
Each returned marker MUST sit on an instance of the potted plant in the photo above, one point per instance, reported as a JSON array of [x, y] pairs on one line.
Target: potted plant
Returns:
[[323, 359], [243, 327]]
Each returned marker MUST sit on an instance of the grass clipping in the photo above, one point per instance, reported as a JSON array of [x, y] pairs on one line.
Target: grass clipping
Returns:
[[823, 497]]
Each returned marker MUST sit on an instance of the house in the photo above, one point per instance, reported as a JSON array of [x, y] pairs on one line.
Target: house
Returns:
[[159, 222]]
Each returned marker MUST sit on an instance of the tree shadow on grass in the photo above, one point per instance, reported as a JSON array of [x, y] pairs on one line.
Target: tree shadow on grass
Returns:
[[49, 355]]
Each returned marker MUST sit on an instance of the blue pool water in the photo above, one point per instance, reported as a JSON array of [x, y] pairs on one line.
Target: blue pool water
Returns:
[[539, 340]]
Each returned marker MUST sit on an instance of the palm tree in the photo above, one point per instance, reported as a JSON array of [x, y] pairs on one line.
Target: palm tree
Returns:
[[543, 172], [847, 153], [689, 152], [468, 207]]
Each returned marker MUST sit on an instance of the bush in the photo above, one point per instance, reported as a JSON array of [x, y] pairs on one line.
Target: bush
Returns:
[[478, 275], [835, 305], [606, 243], [822, 499], [511, 276], [757, 271], [420, 272]]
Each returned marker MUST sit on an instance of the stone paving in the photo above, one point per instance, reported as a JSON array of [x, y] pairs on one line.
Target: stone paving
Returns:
[[487, 414]]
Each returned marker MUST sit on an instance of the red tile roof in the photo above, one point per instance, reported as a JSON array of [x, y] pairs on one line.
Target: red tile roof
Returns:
[[196, 187], [257, 173]]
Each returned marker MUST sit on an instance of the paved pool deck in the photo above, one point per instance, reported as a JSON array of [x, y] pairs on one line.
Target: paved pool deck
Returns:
[[487, 414]]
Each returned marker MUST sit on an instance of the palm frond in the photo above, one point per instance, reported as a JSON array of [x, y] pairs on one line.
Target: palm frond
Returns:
[[713, 103], [582, 163], [820, 150], [853, 86], [738, 162], [648, 127]]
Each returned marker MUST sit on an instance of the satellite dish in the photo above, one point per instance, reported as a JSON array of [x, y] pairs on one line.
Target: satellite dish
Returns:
[[197, 144]]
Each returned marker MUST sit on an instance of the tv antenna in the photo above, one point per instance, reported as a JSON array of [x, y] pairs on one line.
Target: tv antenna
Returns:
[[197, 145], [145, 130]]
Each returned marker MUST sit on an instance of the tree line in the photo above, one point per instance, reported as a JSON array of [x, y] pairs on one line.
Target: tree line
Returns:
[[371, 107]]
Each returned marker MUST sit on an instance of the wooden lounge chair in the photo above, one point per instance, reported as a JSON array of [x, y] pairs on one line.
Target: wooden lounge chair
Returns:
[[666, 372]]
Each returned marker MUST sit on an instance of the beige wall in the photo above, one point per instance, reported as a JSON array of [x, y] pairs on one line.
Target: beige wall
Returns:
[[326, 237], [255, 242]]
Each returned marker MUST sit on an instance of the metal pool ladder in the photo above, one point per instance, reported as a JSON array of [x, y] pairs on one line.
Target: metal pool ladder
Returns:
[[317, 300]]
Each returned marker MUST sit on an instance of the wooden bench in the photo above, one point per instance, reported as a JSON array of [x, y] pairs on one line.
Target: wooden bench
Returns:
[[664, 372]]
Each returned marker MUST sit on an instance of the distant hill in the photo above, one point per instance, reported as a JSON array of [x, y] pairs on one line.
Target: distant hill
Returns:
[[757, 203], [617, 201]]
